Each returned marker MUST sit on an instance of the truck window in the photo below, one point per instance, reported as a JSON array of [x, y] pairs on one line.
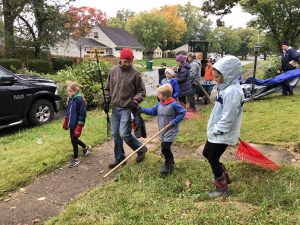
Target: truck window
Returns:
[[3, 73]]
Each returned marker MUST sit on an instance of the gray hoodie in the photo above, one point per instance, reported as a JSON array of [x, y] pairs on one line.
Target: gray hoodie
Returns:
[[225, 120]]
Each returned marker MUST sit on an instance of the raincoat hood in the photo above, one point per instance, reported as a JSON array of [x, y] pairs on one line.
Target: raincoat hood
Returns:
[[231, 69]]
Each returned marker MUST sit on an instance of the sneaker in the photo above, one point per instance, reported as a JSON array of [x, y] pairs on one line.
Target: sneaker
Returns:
[[86, 150], [140, 156], [114, 164], [73, 163]]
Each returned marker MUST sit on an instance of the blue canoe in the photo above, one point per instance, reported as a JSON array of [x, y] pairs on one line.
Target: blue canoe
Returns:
[[278, 80]]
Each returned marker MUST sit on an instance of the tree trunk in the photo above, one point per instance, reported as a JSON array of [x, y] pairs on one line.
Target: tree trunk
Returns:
[[9, 38]]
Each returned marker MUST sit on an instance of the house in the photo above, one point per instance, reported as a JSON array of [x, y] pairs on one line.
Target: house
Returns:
[[157, 53], [108, 42], [116, 39], [80, 48]]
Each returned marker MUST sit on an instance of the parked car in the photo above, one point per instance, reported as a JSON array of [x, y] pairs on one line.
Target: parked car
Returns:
[[26, 98]]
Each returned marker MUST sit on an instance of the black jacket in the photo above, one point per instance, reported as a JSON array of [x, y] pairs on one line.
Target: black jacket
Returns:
[[290, 55]]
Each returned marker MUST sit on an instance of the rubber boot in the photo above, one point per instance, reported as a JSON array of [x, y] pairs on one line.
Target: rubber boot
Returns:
[[221, 187], [225, 173], [167, 168]]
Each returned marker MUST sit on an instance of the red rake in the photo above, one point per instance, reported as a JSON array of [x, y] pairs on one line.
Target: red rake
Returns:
[[249, 154], [190, 114]]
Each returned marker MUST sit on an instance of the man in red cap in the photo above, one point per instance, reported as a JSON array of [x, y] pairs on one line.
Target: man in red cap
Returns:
[[125, 90]]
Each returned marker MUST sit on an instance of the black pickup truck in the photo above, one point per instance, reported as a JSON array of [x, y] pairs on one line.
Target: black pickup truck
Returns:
[[26, 98]]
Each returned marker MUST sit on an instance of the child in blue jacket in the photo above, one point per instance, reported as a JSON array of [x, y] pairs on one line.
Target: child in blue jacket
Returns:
[[74, 120], [170, 80], [168, 111]]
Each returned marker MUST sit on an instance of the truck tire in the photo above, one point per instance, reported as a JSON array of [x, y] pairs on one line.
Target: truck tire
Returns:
[[41, 112]]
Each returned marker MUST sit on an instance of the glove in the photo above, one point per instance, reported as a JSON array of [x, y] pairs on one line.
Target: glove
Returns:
[[105, 107], [65, 124], [78, 130], [134, 106]]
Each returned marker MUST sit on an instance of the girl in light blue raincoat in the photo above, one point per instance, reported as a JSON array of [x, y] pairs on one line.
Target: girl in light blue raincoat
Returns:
[[225, 120]]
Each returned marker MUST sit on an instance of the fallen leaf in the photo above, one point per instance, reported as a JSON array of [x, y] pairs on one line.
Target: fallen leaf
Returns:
[[41, 198], [36, 221], [102, 171], [23, 190], [187, 183], [6, 200], [13, 207]]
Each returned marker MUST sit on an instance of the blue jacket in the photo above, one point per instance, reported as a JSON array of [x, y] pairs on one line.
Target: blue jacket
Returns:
[[167, 112], [288, 56], [76, 111], [225, 120], [174, 84]]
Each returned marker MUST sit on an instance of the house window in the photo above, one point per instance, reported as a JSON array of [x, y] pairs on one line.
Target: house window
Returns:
[[119, 49], [96, 35]]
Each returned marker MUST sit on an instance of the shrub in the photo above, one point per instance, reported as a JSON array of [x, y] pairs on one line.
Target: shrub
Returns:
[[61, 63], [39, 65], [11, 64], [86, 74]]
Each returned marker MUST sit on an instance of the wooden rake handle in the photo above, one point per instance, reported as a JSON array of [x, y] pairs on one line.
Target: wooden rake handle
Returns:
[[128, 157], [205, 93]]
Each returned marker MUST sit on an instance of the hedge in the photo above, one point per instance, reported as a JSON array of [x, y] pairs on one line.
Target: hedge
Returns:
[[61, 63], [11, 64], [39, 65]]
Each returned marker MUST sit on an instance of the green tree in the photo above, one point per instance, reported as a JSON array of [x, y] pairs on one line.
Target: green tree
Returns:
[[121, 18], [246, 35], [224, 40], [276, 17], [198, 27], [279, 19], [149, 28], [11, 10], [42, 24]]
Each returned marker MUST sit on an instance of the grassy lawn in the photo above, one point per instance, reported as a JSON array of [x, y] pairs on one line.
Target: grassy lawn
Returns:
[[23, 159], [139, 195], [271, 120], [157, 62]]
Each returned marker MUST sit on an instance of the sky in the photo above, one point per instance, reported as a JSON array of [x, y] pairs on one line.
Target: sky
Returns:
[[236, 19]]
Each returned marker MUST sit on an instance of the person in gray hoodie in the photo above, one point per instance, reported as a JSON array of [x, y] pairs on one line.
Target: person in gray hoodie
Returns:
[[225, 120]]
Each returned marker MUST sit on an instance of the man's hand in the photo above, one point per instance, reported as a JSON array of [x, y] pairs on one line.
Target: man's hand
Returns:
[[134, 106], [105, 107]]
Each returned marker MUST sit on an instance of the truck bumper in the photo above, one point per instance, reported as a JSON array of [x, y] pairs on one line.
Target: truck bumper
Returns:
[[57, 103]]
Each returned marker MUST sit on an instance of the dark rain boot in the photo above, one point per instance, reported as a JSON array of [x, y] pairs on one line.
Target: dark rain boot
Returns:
[[221, 187], [225, 173], [167, 168]]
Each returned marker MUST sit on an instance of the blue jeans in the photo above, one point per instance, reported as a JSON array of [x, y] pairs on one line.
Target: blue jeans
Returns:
[[121, 131]]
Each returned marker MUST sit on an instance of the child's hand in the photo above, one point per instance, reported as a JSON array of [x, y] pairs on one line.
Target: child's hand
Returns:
[[78, 130], [65, 124]]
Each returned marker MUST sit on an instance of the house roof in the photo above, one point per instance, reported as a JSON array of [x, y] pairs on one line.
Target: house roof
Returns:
[[90, 42], [120, 37], [184, 48]]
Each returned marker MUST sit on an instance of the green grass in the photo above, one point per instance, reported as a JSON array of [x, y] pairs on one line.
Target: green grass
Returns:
[[23, 159], [139, 195], [157, 62], [271, 120]]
